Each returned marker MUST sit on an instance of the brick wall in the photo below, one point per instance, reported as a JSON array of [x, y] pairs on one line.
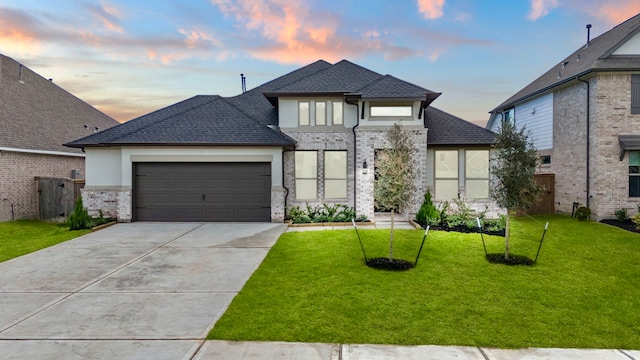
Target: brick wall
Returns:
[[320, 141], [611, 116], [114, 203], [368, 139], [17, 183], [610, 113], [568, 157]]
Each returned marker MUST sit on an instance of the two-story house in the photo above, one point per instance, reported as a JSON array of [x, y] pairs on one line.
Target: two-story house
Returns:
[[309, 137], [584, 118]]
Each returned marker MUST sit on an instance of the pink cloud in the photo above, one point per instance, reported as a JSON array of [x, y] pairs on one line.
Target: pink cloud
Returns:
[[615, 12], [108, 15], [540, 8], [431, 9]]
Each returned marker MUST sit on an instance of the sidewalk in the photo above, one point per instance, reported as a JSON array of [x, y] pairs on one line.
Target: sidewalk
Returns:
[[244, 350]]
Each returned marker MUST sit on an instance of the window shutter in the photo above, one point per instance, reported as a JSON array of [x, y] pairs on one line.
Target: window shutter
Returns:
[[635, 94]]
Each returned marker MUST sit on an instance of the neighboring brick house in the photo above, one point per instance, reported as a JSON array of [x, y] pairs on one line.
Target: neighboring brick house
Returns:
[[584, 119], [307, 138], [36, 118]]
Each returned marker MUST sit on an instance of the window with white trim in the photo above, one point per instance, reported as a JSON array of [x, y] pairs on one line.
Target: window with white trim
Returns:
[[391, 110], [446, 174], [476, 174], [303, 113], [321, 113], [337, 113], [335, 174], [306, 174]]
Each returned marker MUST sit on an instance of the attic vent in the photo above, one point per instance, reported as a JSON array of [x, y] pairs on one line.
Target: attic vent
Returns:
[[578, 59], [564, 64], [559, 74], [20, 74]]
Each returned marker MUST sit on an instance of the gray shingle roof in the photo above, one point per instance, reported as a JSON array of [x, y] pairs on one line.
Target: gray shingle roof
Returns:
[[244, 119], [446, 129], [390, 87], [594, 57], [36, 114]]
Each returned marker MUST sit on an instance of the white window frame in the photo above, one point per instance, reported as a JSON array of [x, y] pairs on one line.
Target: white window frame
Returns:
[[321, 113], [304, 116], [448, 179], [338, 108], [343, 178], [469, 178], [391, 110], [300, 176]]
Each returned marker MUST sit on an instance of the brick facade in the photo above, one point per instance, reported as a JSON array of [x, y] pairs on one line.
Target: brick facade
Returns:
[[113, 203], [610, 116], [17, 180], [367, 140]]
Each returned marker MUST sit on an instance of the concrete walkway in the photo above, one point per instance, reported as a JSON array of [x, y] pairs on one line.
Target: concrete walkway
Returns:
[[154, 290]]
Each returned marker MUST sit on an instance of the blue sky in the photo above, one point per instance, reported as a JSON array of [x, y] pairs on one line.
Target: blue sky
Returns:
[[131, 57]]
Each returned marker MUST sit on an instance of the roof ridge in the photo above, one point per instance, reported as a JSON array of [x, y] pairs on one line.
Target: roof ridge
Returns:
[[256, 121]]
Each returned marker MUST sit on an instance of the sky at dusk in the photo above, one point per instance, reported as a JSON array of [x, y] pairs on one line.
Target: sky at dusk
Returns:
[[131, 57]]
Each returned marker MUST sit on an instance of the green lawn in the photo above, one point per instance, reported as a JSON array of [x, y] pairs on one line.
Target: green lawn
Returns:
[[21, 237], [313, 287]]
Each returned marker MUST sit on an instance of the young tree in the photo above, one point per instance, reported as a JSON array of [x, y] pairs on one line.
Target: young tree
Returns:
[[395, 175], [513, 166]]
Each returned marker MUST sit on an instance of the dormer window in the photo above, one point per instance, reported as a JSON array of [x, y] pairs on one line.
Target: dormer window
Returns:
[[391, 110]]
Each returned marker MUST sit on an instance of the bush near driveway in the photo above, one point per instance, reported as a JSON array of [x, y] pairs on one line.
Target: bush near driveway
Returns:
[[21, 237], [314, 287]]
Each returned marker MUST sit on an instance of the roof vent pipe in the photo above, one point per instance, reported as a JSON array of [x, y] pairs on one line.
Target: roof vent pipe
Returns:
[[243, 81], [588, 34]]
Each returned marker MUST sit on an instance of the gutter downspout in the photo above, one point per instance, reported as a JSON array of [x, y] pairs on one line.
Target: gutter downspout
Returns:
[[355, 153], [588, 142]]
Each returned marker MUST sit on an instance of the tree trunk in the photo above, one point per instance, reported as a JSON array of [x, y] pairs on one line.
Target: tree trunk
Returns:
[[506, 237], [391, 238]]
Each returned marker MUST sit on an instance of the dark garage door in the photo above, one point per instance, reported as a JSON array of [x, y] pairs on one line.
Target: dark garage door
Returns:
[[202, 191]]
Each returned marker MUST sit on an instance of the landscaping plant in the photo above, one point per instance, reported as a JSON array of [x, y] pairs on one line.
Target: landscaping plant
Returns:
[[583, 213], [395, 175], [621, 214], [428, 215], [513, 166], [79, 219]]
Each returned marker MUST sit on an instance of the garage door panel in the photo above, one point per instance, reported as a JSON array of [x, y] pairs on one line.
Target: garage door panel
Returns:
[[202, 191]]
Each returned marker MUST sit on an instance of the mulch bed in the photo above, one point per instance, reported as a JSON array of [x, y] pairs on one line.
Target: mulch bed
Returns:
[[626, 225], [513, 259], [464, 229], [391, 265]]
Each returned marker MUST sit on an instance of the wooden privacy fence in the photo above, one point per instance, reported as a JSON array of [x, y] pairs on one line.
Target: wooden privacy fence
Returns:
[[57, 197]]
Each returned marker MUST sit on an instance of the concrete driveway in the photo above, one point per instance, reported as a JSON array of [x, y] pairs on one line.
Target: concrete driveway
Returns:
[[134, 291]]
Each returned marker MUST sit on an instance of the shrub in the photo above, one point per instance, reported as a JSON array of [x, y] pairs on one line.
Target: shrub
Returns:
[[583, 213], [621, 214], [496, 225], [428, 213], [636, 220], [323, 214], [79, 219]]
